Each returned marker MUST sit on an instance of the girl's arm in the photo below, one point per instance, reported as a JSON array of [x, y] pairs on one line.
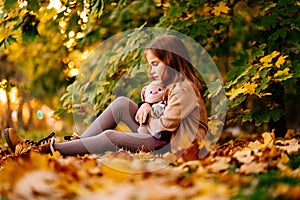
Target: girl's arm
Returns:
[[142, 113]]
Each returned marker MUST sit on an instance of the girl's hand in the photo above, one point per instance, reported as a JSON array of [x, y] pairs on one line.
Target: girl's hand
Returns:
[[142, 113]]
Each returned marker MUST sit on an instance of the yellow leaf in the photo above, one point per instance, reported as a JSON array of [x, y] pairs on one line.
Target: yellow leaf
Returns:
[[235, 92], [268, 58], [55, 155], [274, 54], [221, 8], [283, 74], [256, 76], [280, 61], [268, 139], [265, 65], [250, 88]]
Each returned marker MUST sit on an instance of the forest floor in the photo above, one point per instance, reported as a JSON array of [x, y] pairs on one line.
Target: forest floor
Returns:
[[244, 167]]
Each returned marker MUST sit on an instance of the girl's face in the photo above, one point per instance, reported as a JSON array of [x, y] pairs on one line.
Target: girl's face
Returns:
[[158, 70]]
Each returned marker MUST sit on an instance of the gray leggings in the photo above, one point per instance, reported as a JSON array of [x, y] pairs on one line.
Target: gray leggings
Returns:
[[101, 136]]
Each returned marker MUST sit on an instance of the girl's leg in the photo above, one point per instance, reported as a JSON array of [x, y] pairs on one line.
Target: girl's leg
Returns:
[[109, 140], [100, 137], [121, 109]]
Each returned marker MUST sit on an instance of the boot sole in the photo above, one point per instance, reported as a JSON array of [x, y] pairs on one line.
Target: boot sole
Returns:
[[11, 146]]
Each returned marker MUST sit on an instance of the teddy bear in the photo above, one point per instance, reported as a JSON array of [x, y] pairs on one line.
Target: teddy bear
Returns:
[[154, 94]]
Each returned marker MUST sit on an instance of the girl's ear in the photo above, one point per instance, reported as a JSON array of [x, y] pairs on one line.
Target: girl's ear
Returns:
[[143, 93]]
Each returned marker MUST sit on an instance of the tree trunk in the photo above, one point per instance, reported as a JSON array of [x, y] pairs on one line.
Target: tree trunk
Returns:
[[279, 125], [20, 115], [9, 122]]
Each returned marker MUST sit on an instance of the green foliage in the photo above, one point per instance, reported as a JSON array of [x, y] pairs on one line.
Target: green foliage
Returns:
[[105, 75], [250, 81], [29, 26], [261, 187], [280, 22], [294, 161], [97, 7], [7, 41], [33, 5], [10, 4], [238, 35], [257, 82]]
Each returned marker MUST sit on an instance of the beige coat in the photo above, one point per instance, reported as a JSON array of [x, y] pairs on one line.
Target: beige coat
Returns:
[[184, 115]]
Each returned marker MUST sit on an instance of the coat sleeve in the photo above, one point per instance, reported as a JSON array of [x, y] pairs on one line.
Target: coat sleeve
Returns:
[[181, 102]]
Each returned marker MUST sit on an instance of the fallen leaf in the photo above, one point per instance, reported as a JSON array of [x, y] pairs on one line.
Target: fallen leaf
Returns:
[[244, 156], [125, 175], [221, 164], [296, 173], [252, 168], [35, 184], [290, 146], [268, 139], [267, 143], [256, 147], [286, 170]]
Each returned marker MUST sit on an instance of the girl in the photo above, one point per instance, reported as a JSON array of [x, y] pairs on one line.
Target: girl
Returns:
[[184, 120]]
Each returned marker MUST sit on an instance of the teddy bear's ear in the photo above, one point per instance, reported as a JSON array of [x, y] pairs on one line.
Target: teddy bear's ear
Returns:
[[143, 93]]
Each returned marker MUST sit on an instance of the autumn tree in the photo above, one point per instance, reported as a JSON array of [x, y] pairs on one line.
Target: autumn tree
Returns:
[[254, 44]]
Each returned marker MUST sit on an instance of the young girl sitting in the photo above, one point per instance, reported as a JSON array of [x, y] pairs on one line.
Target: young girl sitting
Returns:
[[183, 121]]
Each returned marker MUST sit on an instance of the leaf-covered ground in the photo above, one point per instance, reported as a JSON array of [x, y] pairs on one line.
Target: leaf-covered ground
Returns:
[[256, 167]]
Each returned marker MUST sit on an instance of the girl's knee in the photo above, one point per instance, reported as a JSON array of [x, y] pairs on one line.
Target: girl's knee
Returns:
[[109, 133], [120, 102], [121, 99]]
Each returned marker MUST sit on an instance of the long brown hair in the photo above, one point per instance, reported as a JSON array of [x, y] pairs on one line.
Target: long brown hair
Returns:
[[173, 53]]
